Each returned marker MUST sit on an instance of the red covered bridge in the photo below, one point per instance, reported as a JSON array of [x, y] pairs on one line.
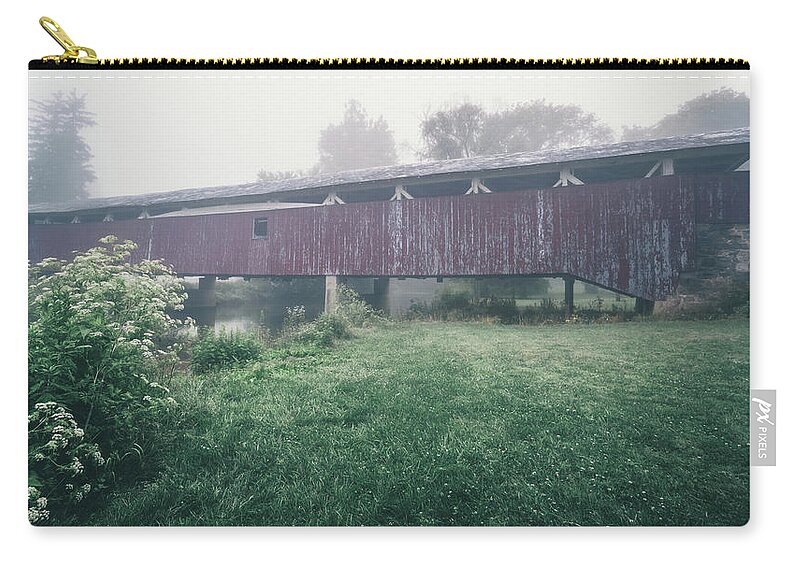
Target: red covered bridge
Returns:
[[622, 216]]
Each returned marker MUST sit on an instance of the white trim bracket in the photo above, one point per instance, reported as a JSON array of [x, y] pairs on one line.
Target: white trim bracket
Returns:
[[332, 199], [566, 177], [400, 193], [743, 167], [666, 166], [477, 187]]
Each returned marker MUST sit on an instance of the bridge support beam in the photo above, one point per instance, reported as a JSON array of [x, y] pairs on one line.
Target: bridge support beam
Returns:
[[643, 306], [206, 291], [201, 303], [569, 295], [331, 297]]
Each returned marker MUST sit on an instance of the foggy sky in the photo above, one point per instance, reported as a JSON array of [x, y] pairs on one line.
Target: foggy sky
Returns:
[[166, 130]]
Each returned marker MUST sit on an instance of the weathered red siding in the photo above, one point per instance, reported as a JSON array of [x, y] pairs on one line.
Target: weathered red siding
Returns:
[[62, 240], [635, 236], [723, 199]]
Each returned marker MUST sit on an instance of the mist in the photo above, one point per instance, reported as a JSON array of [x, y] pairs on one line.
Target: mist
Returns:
[[159, 131]]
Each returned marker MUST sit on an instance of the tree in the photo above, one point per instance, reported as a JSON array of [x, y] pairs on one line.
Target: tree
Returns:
[[468, 130], [719, 110], [59, 167], [356, 142], [274, 175], [453, 133], [538, 125]]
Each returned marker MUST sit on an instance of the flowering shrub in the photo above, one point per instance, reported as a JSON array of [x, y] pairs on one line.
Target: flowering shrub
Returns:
[[99, 330], [63, 468], [37, 507]]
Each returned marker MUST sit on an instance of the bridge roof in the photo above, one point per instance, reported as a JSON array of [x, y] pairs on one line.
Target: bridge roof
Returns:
[[464, 168]]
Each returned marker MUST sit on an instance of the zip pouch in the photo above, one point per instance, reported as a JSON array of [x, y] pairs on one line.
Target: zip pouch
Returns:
[[380, 292]]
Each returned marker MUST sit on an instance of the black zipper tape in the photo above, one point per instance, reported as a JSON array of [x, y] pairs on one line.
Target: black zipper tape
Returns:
[[381, 63]]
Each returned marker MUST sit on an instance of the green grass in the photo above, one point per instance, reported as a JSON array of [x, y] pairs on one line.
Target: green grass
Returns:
[[639, 423]]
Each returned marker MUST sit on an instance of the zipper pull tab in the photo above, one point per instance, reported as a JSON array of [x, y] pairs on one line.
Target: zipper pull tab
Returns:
[[72, 52]]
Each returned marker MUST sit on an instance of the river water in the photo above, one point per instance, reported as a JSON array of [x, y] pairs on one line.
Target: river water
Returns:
[[255, 304]]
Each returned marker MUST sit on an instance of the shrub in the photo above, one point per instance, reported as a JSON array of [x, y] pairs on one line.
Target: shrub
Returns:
[[213, 351], [733, 297], [354, 310], [460, 306], [99, 330], [452, 301], [334, 326], [452, 306], [717, 297], [295, 318], [504, 310], [321, 332], [546, 311]]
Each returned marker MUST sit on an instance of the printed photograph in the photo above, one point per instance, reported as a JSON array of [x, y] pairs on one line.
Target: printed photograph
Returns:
[[388, 297]]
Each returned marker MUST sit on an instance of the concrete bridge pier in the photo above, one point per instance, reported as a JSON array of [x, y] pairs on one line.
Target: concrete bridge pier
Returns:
[[207, 291], [569, 295], [202, 302], [331, 296], [643, 306]]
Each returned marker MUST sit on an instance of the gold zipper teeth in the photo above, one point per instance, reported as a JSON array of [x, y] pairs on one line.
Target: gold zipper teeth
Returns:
[[564, 63]]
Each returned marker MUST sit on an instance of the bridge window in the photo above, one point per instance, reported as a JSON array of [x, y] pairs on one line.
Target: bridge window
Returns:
[[259, 228]]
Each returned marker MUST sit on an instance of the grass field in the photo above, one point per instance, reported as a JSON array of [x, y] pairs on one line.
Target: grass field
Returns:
[[638, 423]]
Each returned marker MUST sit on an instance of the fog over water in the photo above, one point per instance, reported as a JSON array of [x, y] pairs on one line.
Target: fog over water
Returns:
[[165, 130]]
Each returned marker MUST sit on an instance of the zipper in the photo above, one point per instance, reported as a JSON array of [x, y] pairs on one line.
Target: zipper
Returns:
[[79, 57], [72, 52]]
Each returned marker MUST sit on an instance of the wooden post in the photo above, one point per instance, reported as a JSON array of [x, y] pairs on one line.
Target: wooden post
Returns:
[[330, 293], [569, 295]]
